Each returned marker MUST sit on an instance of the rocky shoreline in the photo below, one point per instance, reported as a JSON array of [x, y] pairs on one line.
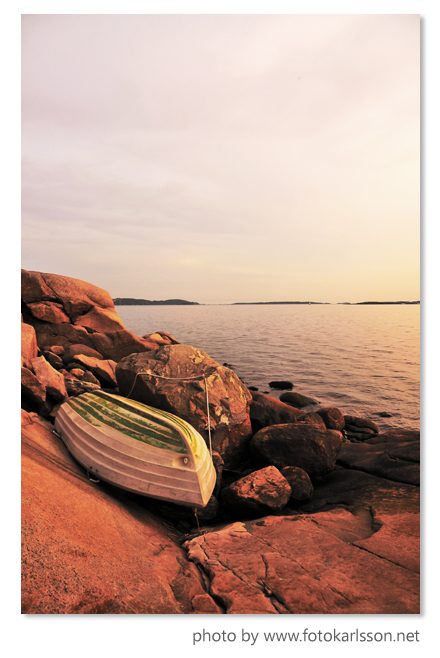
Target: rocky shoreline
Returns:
[[314, 511]]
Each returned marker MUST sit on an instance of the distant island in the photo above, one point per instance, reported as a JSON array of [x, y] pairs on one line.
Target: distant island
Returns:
[[363, 303], [129, 301], [248, 303]]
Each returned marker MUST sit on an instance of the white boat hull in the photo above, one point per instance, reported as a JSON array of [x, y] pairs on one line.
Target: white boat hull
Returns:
[[137, 448]]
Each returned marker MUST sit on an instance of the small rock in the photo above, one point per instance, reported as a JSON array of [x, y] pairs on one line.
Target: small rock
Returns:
[[54, 360], [281, 385], [300, 483], [262, 492], [76, 387]]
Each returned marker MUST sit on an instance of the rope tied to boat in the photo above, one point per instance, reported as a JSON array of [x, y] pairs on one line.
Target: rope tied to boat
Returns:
[[204, 376]]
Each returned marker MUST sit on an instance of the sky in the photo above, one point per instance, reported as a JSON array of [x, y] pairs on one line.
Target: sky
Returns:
[[224, 158]]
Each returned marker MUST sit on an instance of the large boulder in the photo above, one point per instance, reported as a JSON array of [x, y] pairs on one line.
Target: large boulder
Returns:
[[262, 492], [66, 311], [310, 447], [74, 296], [171, 386]]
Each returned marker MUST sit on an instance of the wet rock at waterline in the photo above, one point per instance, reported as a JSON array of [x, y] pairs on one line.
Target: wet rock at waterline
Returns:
[[172, 387], [297, 399], [333, 418], [281, 385], [265, 411]]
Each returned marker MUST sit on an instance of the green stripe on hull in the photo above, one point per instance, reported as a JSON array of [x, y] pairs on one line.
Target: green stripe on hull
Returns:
[[141, 428], [145, 411]]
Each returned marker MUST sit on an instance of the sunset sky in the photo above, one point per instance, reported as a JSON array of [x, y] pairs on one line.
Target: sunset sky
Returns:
[[223, 158]]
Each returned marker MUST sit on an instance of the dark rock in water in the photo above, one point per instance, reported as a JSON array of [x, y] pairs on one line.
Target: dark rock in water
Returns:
[[333, 418], [354, 422], [297, 400], [311, 418], [265, 411], [309, 447], [252, 388], [394, 455], [384, 414], [281, 385], [300, 483], [262, 492], [172, 386]]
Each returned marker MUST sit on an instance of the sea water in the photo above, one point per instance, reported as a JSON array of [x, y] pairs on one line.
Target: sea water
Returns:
[[363, 359]]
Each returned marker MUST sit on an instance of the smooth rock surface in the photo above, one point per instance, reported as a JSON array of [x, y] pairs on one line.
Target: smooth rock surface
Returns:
[[306, 564]]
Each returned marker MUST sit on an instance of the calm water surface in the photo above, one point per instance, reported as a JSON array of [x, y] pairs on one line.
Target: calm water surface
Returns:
[[362, 359]]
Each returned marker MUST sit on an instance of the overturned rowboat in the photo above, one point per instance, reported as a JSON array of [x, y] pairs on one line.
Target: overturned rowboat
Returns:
[[138, 448]]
